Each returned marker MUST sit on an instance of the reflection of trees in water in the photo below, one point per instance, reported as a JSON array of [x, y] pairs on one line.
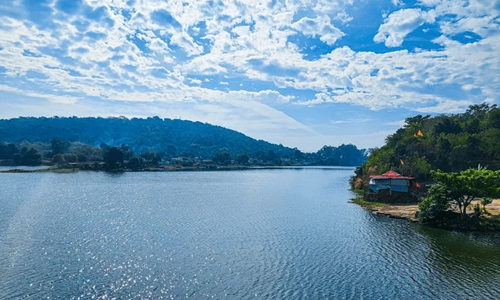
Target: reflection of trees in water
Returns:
[[467, 260]]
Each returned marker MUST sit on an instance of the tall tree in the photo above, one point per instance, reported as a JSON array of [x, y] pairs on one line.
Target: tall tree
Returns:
[[242, 158], [151, 157], [7, 150], [465, 186], [113, 158], [31, 158], [222, 158], [59, 146]]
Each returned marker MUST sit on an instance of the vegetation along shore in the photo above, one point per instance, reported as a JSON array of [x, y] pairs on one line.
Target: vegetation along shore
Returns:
[[113, 144], [441, 171]]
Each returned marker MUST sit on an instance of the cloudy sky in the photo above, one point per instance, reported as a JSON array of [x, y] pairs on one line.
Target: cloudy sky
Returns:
[[303, 73]]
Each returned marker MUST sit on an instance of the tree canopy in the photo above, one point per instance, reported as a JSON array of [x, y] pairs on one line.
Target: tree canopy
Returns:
[[462, 187], [179, 137], [113, 158], [451, 143]]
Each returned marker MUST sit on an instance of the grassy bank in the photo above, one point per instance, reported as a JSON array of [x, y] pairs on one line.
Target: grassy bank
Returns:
[[360, 201]]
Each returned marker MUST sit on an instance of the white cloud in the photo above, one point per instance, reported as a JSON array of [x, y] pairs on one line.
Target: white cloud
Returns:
[[233, 44], [186, 42], [429, 3], [66, 99], [195, 81], [342, 76], [417, 81], [446, 106], [350, 121], [400, 23], [400, 123], [396, 2], [318, 26], [478, 17]]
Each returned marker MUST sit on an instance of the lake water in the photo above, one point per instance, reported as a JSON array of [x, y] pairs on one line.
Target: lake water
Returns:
[[256, 234]]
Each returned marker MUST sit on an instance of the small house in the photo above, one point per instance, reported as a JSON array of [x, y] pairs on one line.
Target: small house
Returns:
[[391, 187]]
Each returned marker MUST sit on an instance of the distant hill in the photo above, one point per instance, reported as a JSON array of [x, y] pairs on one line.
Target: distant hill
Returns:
[[167, 138], [141, 135]]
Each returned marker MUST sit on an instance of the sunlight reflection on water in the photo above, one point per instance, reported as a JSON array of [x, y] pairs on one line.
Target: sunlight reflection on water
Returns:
[[280, 234]]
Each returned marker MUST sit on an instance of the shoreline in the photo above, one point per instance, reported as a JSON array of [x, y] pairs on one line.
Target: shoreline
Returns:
[[395, 211], [170, 168], [489, 221]]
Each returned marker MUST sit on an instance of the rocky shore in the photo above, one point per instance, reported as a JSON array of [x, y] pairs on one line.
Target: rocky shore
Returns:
[[489, 220], [397, 211]]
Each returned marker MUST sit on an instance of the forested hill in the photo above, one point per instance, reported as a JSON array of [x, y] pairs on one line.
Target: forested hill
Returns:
[[446, 142], [141, 135], [167, 138]]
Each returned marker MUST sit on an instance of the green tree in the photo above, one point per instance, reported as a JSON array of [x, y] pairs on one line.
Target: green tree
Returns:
[[59, 146], [448, 125], [242, 158], [7, 150], [271, 156], [127, 152], [222, 158], [297, 154], [422, 167], [437, 200], [31, 158], [485, 201], [113, 158], [171, 151], [134, 163], [494, 118], [151, 157], [467, 185], [473, 126]]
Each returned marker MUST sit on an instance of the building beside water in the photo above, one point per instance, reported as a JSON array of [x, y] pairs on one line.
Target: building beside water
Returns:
[[392, 187]]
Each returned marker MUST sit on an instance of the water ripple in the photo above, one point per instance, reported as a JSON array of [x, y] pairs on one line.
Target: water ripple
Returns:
[[265, 234]]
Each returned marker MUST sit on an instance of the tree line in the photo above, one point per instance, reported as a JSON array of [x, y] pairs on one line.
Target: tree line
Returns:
[[139, 142]]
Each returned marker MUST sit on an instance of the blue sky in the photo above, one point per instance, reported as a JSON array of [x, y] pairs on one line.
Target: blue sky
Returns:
[[297, 72]]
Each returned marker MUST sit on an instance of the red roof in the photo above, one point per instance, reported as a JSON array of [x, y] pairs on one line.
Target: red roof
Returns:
[[390, 175]]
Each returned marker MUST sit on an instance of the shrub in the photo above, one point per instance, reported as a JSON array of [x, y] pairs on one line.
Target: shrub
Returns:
[[435, 202]]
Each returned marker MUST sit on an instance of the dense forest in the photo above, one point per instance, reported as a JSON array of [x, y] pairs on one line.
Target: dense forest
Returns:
[[450, 143], [31, 141]]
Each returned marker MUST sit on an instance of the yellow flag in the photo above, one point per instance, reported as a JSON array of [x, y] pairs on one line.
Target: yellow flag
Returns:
[[402, 162]]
